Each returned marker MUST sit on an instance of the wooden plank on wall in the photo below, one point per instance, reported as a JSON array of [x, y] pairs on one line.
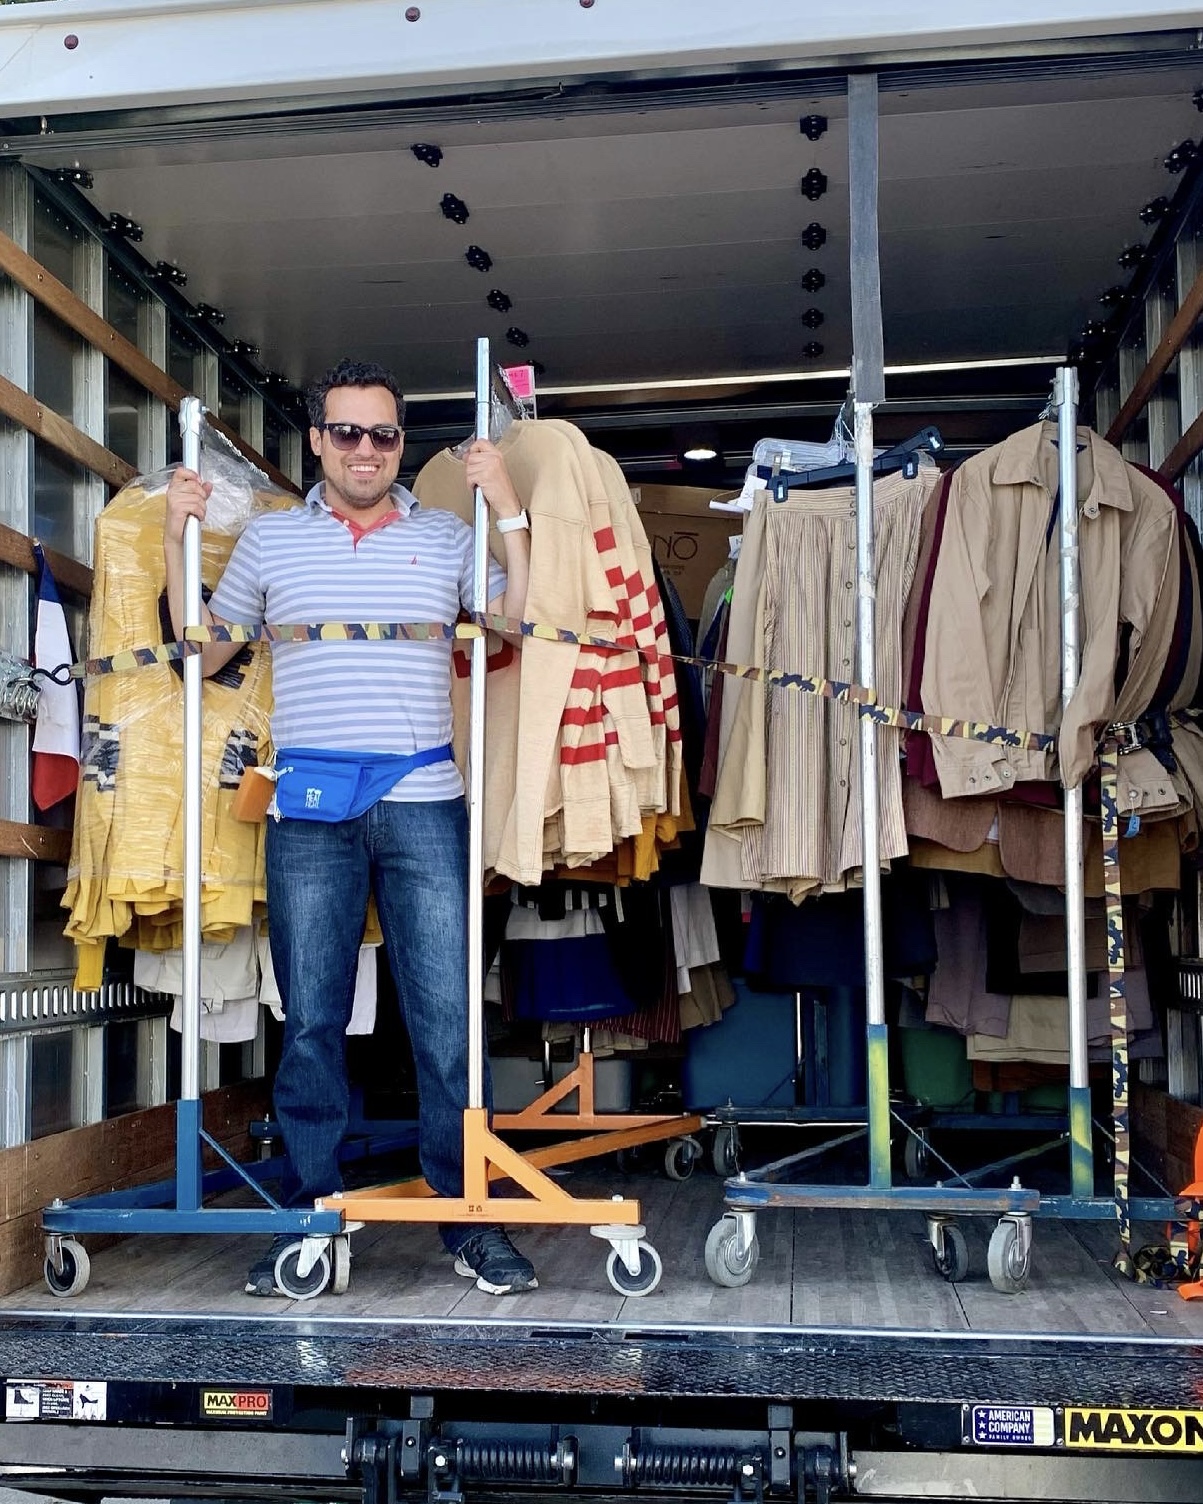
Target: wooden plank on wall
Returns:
[[55, 430], [1183, 451], [62, 302], [37, 842], [17, 549], [1175, 336], [120, 1152]]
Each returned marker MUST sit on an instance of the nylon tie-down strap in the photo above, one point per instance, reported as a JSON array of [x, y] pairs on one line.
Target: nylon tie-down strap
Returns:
[[1171, 1263]]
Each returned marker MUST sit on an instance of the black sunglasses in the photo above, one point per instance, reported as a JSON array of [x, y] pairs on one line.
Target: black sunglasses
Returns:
[[386, 438]]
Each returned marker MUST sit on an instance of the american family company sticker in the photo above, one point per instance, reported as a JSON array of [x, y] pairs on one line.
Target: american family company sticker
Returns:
[[55, 1399], [1013, 1426], [1134, 1430], [236, 1404]]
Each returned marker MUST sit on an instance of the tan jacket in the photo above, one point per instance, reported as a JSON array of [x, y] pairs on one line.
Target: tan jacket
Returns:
[[993, 636]]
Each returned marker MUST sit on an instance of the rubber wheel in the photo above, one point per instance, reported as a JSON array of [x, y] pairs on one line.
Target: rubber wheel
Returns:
[[340, 1277], [679, 1159], [73, 1278], [290, 1282], [1009, 1269], [953, 1263], [915, 1156], [725, 1154], [649, 1274], [723, 1263]]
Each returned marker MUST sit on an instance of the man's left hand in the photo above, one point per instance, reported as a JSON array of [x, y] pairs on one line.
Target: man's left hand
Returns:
[[484, 467]]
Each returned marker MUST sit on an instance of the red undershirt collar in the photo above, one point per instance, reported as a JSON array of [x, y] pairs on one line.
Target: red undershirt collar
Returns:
[[359, 530]]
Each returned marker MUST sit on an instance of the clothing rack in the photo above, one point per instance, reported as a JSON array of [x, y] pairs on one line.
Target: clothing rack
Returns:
[[178, 1205], [633, 1266], [732, 1251]]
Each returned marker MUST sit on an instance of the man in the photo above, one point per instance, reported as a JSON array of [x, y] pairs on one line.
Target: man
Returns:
[[361, 548]]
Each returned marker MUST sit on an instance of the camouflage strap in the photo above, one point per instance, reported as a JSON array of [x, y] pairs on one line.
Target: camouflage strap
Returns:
[[830, 689], [1170, 1263], [1118, 1009]]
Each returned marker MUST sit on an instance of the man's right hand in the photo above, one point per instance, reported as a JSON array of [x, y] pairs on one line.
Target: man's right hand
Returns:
[[187, 496]]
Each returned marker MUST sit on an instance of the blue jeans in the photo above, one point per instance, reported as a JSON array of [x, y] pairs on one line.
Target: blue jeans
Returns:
[[414, 858]]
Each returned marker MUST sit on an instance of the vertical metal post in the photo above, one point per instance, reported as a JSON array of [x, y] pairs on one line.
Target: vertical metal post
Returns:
[[1065, 402], [188, 1161], [868, 388], [476, 758]]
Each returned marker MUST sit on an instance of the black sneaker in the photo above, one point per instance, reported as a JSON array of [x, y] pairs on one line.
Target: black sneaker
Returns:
[[496, 1265], [261, 1276]]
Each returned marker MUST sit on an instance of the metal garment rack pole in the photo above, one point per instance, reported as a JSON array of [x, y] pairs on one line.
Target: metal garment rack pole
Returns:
[[1065, 402], [868, 388], [476, 755], [188, 1111]]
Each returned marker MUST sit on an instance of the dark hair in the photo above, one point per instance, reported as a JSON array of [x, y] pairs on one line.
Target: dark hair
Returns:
[[352, 373]]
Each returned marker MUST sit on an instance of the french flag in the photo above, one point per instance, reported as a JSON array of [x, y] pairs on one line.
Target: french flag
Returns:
[[56, 731]]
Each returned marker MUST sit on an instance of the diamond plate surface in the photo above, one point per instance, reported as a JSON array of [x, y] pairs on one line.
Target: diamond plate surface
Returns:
[[614, 1360]]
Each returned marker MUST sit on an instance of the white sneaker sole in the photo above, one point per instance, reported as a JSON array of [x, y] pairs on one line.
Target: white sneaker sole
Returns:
[[467, 1271]]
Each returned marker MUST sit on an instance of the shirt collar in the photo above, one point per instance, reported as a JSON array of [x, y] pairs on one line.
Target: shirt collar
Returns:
[[405, 501], [1030, 457]]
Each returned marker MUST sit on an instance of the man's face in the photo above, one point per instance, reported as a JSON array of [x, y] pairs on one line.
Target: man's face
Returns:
[[358, 477]]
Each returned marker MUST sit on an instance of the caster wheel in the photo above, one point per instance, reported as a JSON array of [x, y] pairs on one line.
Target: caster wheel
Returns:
[[680, 1156], [72, 1278], [952, 1263], [294, 1285], [915, 1156], [725, 1154], [340, 1265], [723, 1263], [1009, 1267], [648, 1276]]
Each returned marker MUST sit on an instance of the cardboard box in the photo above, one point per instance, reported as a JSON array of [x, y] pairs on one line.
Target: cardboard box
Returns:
[[689, 541]]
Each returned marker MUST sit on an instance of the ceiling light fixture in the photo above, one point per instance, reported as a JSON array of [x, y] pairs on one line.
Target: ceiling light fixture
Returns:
[[517, 337], [760, 378], [813, 126], [812, 349], [814, 236], [813, 280], [430, 156], [454, 209], [1155, 210], [478, 259], [812, 318], [499, 301], [698, 443], [165, 272], [1131, 257]]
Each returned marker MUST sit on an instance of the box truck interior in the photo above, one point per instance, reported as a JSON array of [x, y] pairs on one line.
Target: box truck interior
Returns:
[[671, 252]]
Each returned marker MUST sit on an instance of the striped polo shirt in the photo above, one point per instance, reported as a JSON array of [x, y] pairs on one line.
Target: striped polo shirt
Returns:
[[304, 565]]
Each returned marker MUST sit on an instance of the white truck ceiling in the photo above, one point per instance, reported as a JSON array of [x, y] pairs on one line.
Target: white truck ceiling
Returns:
[[64, 56]]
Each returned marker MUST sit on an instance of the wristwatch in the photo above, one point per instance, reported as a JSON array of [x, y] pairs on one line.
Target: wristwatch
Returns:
[[513, 524]]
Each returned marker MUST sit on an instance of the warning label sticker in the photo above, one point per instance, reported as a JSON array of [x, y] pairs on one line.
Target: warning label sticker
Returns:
[[55, 1399], [236, 1404], [1134, 1430], [1013, 1426]]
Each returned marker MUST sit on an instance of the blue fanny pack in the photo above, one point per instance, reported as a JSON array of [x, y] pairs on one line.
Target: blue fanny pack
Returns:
[[314, 785]]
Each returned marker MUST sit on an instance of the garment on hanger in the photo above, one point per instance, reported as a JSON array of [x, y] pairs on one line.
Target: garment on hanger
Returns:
[[584, 743], [786, 810], [363, 1003], [229, 986], [126, 870], [992, 644]]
